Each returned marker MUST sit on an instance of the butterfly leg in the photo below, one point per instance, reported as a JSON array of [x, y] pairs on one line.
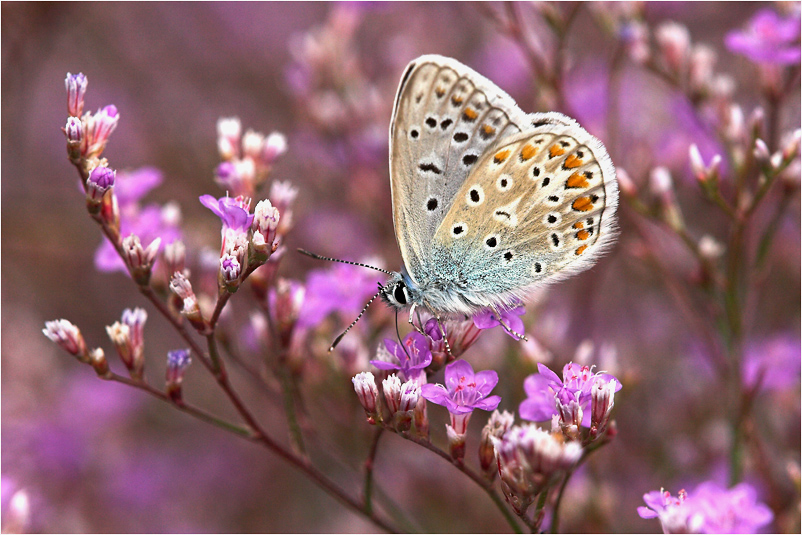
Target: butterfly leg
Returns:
[[445, 338], [521, 337], [411, 316]]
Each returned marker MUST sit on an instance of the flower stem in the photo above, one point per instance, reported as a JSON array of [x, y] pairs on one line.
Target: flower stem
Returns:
[[486, 485], [369, 464]]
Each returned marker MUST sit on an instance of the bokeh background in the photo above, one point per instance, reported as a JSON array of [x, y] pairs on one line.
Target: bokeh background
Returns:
[[99, 457]]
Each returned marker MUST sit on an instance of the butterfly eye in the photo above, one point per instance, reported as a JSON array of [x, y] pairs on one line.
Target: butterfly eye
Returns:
[[400, 293]]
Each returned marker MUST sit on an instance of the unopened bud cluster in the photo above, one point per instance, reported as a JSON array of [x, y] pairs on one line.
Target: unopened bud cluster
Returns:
[[530, 460], [247, 158]]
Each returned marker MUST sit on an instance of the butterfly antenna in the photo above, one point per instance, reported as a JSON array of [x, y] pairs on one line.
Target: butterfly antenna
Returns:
[[318, 257], [342, 334]]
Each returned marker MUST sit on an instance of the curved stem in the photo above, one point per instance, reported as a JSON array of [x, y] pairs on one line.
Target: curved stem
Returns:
[[485, 484], [367, 490]]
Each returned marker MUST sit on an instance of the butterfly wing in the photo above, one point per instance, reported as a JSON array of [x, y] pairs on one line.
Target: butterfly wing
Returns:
[[445, 117], [536, 208]]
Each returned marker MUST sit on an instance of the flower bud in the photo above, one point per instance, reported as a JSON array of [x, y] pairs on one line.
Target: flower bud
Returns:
[[135, 319], [625, 183], [421, 418], [791, 145], [177, 363], [391, 386], [100, 180], [673, 41], [700, 71], [456, 443], [265, 223], [140, 260], [275, 145], [368, 394], [602, 395], [570, 412], [230, 272], [710, 248], [229, 131], [700, 171], [68, 337], [663, 188], [175, 255], [496, 426], [97, 358], [98, 129], [76, 89], [252, 144], [761, 152], [180, 286]]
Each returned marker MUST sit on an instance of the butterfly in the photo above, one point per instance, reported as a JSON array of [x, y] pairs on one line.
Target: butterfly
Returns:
[[489, 203]]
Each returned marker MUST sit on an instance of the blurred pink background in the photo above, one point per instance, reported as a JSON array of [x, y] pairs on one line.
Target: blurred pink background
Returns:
[[97, 457]]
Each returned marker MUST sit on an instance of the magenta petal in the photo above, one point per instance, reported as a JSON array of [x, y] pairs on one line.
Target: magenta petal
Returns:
[[486, 381], [383, 365], [550, 375], [485, 320], [645, 512], [435, 393], [513, 324], [456, 370], [488, 404], [538, 408], [212, 204], [536, 384]]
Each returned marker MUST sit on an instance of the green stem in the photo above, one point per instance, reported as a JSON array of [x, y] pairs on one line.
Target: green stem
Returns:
[[288, 390], [181, 405]]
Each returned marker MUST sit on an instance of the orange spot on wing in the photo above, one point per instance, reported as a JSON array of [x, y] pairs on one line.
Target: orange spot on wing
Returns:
[[582, 204], [572, 161], [439, 91], [501, 156], [528, 151], [582, 235], [456, 99], [579, 224], [555, 151], [576, 181], [489, 130], [581, 249], [470, 113]]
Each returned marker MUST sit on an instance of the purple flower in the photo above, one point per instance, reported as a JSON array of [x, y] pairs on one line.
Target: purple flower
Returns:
[[714, 509], [512, 323], [710, 508], [342, 288], [464, 390], [545, 391], [234, 212], [767, 38], [671, 511], [409, 360]]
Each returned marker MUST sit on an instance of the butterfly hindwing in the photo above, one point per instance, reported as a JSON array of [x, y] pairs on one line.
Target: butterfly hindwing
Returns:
[[537, 207], [446, 116]]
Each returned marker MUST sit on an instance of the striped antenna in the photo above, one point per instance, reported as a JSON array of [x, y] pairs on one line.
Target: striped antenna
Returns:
[[340, 337], [318, 257]]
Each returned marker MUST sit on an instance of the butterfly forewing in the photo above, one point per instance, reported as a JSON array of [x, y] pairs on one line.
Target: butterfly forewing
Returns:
[[446, 116], [537, 206]]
